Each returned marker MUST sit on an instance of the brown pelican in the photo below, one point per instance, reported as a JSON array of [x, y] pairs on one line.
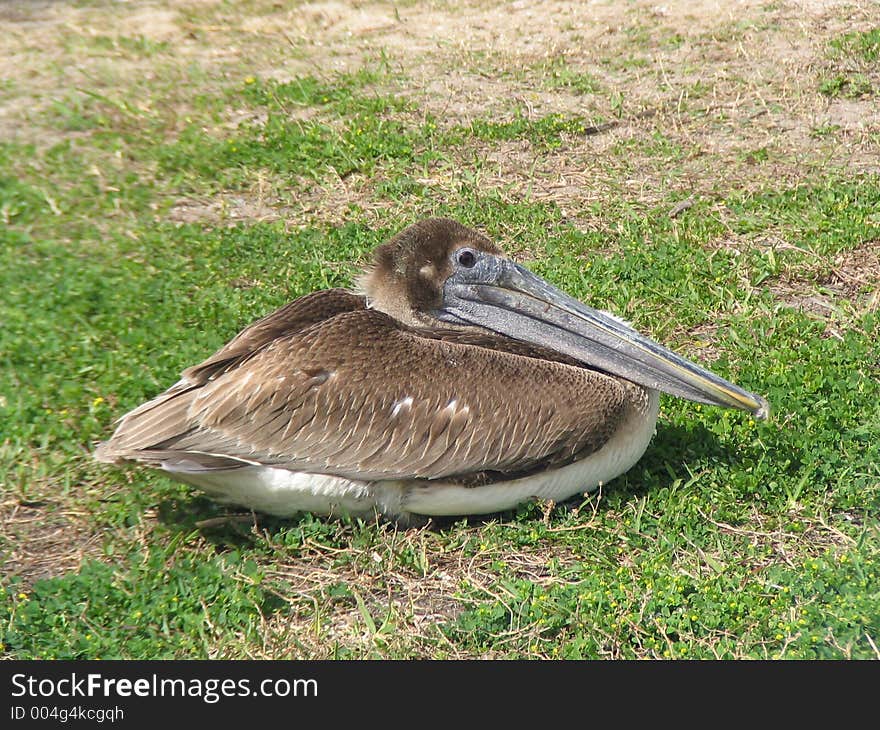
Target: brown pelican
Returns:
[[455, 382]]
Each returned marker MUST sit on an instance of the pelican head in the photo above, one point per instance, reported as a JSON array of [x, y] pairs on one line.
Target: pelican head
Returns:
[[441, 274]]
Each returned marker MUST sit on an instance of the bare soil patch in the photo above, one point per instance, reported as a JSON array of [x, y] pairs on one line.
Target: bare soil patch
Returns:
[[43, 540], [411, 603], [852, 276]]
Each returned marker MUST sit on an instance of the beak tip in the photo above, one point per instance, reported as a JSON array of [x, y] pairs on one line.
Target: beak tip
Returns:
[[762, 412]]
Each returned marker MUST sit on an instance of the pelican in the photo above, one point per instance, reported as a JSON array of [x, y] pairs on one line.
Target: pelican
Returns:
[[454, 381]]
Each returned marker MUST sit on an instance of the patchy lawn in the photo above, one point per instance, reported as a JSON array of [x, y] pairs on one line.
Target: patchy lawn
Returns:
[[171, 171]]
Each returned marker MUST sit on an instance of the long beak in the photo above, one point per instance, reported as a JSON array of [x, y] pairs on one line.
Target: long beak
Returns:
[[507, 298]]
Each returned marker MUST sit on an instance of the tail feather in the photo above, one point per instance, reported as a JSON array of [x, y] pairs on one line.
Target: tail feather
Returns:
[[155, 423]]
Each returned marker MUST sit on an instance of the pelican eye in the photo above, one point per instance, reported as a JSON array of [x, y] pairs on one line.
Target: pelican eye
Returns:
[[466, 258]]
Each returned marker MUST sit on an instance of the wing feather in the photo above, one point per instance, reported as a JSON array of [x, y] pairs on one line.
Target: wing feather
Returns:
[[356, 394]]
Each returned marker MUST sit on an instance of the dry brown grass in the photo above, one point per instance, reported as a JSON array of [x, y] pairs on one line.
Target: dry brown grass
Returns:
[[719, 81], [388, 606], [41, 539]]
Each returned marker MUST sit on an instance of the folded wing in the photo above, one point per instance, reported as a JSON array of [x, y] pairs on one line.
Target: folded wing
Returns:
[[325, 385]]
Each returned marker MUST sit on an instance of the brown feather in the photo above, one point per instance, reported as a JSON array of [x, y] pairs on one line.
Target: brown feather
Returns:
[[374, 387], [308, 399]]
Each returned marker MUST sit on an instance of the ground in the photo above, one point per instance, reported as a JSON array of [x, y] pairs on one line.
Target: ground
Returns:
[[171, 170]]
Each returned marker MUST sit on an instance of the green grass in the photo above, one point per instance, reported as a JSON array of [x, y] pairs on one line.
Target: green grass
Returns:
[[730, 538], [367, 138], [859, 45], [856, 55], [851, 87], [657, 145], [547, 132], [164, 603], [558, 74]]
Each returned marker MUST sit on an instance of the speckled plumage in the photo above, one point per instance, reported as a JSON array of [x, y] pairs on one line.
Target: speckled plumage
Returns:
[[359, 395], [331, 386]]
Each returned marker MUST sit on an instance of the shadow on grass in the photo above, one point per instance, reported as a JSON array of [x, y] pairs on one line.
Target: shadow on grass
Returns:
[[228, 527], [674, 450], [217, 524]]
